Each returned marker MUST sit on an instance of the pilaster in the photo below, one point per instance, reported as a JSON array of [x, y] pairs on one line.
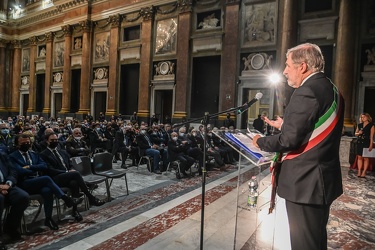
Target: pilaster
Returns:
[[84, 105], [16, 77], [67, 91], [183, 58], [48, 73], [2, 75], [145, 71], [32, 83], [113, 65]]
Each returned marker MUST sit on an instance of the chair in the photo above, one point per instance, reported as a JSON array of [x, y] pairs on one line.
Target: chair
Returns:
[[83, 165], [103, 167], [143, 156], [23, 226], [177, 169], [66, 191]]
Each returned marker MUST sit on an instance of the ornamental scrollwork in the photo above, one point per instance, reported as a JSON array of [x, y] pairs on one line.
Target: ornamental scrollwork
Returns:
[[147, 13], [370, 56], [164, 68]]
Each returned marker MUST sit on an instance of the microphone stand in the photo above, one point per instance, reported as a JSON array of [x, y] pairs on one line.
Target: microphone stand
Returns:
[[205, 121]]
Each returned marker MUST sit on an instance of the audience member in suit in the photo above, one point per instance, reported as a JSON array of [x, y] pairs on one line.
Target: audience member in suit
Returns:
[[310, 173], [176, 152], [14, 196], [59, 168], [123, 143], [97, 139], [191, 151], [150, 149], [75, 145], [29, 165]]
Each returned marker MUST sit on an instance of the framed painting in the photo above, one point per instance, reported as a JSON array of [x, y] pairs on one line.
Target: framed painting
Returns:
[[25, 60], [102, 43], [58, 54], [259, 24], [166, 36]]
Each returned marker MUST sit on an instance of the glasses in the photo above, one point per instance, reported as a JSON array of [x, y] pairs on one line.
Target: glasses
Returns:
[[78, 133]]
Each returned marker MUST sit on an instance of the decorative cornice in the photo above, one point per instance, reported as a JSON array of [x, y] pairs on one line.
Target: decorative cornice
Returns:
[[16, 44], [206, 3], [185, 5], [67, 29], [147, 13], [86, 25], [49, 37], [126, 18], [163, 11], [33, 40], [115, 20], [3, 43]]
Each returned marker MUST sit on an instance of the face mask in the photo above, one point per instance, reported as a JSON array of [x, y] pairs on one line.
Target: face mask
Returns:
[[209, 134], [5, 131], [182, 134], [78, 138], [143, 131], [174, 138], [25, 147], [194, 134], [53, 144], [98, 129]]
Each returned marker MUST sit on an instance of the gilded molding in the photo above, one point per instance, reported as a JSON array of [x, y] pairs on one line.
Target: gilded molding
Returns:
[[3, 43], [185, 5], [16, 44], [67, 29], [86, 25], [49, 37], [159, 10], [147, 13], [115, 20], [129, 19], [33, 40]]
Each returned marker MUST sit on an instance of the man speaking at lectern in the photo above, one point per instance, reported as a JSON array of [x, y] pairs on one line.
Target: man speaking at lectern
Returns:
[[310, 172]]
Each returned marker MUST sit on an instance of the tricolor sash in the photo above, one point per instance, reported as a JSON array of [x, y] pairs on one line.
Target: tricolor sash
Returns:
[[323, 127]]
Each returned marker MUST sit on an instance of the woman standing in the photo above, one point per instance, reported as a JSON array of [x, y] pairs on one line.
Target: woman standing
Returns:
[[365, 133]]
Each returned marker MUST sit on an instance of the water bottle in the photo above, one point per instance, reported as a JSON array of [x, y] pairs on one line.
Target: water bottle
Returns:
[[253, 192], [252, 198], [253, 183]]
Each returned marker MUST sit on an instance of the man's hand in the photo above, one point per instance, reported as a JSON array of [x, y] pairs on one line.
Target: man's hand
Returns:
[[277, 124], [4, 189], [255, 139]]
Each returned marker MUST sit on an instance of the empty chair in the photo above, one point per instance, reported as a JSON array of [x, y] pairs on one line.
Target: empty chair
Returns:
[[83, 165], [143, 156], [103, 167]]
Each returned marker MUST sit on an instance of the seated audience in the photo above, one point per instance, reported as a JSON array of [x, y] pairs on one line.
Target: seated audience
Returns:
[[59, 168], [75, 145], [176, 152], [29, 166], [14, 196]]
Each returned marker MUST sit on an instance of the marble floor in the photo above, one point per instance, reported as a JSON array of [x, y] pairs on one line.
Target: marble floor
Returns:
[[162, 212]]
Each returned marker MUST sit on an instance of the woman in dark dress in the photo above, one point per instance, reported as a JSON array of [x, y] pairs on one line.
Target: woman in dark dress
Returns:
[[365, 133]]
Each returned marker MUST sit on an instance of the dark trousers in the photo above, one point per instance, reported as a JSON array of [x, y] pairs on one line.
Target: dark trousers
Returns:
[[44, 186], [307, 225], [18, 199], [73, 180]]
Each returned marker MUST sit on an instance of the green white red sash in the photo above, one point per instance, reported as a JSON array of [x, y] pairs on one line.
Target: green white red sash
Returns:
[[323, 127]]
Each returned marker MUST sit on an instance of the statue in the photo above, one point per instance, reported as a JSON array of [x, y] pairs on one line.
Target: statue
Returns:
[[370, 56]]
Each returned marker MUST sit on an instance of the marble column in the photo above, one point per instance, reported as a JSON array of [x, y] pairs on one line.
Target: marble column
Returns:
[[84, 104], [2, 75], [48, 73], [183, 60], [146, 67], [344, 75], [287, 36], [229, 62], [113, 79], [67, 90], [32, 83], [16, 77]]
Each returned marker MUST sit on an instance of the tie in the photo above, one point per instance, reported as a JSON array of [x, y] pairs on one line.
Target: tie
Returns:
[[59, 159], [148, 140], [27, 158]]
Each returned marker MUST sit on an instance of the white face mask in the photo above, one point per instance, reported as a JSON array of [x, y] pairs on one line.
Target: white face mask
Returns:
[[78, 138], [194, 134], [174, 138], [143, 131]]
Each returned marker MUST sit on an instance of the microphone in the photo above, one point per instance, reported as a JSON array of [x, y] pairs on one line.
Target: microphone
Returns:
[[247, 105]]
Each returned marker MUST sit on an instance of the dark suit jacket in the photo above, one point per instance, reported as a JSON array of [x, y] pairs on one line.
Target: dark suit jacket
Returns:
[[76, 148], [37, 164], [7, 169], [53, 166], [313, 177]]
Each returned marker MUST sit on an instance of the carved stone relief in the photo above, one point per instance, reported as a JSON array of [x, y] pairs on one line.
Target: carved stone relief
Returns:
[[257, 61]]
